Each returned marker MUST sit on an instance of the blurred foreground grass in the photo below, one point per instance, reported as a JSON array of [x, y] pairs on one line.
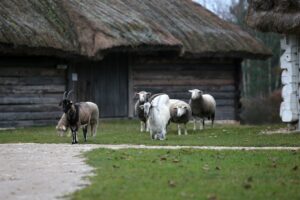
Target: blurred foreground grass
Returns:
[[127, 132]]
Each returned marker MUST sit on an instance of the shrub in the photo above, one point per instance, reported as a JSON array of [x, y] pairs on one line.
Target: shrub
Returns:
[[261, 110]]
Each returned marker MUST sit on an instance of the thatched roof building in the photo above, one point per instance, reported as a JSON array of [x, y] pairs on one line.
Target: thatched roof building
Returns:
[[280, 16], [92, 28], [108, 50]]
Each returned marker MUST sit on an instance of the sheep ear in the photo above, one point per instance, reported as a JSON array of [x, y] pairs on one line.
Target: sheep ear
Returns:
[[191, 91], [141, 106], [60, 103]]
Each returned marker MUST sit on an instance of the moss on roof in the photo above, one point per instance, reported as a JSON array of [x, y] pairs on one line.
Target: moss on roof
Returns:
[[89, 28]]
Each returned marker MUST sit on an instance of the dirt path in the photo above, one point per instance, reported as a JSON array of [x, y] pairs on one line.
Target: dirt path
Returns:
[[41, 171], [49, 171]]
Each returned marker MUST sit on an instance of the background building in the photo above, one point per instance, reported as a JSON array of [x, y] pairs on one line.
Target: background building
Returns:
[[106, 51]]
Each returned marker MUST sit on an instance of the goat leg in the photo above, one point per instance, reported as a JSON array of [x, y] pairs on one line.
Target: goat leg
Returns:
[[84, 129], [76, 138], [73, 137]]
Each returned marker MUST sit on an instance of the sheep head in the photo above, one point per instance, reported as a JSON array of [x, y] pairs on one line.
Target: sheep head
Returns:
[[180, 110], [143, 96], [146, 107], [196, 94], [66, 103]]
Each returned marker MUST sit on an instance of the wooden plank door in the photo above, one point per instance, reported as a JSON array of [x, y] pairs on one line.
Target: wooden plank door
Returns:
[[111, 86]]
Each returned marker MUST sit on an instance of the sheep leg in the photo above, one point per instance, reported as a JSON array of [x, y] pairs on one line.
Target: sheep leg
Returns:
[[142, 126], [146, 126], [203, 123], [178, 129], [185, 130], [84, 129], [200, 124], [195, 124], [212, 120]]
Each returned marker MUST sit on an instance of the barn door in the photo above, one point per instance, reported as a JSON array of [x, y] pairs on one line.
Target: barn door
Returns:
[[111, 86]]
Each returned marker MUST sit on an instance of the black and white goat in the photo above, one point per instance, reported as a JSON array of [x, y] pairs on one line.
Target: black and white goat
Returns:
[[143, 97], [79, 114]]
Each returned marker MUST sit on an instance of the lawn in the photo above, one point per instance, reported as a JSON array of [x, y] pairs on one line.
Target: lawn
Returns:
[[127, 132], [192, 174], [186, 173]]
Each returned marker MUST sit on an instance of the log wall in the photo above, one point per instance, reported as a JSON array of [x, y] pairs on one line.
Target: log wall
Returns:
[[30, 91]]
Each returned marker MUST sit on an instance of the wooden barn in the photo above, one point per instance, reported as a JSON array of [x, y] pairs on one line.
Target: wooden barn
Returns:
[[108, 50]]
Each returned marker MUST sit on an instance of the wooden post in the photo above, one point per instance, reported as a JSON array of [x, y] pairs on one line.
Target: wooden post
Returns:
[[130, 88], [289, 61]]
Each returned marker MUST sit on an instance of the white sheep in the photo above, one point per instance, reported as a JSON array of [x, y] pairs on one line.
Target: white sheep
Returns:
[[203, 106], [158, 115], [81, 114], [180, 113], [143, 97], [62, 125]]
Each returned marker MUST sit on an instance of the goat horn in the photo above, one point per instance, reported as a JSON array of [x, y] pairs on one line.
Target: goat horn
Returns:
[[65, 95], [69, 94]]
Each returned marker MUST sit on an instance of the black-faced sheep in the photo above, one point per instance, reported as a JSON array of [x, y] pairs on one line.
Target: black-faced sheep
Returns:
[[143, 97], [203, 106], [80, 114], [180, 113], [158, 115]]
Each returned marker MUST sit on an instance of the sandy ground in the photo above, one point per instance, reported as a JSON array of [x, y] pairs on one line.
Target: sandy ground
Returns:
[[51, 171]]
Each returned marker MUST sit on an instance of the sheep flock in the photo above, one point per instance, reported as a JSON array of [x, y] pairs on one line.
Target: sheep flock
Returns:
[[155, 113]]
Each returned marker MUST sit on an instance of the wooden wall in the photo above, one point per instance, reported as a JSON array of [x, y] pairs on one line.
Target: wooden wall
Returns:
[[30, 91], [218, 77], [104, 82]]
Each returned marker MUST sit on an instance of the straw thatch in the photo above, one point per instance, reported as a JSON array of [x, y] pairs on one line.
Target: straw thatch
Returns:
[[280, 16], [91, 28]]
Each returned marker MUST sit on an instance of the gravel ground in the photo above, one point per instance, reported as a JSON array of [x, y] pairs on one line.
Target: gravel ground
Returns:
[[41, 171], [51, 171]]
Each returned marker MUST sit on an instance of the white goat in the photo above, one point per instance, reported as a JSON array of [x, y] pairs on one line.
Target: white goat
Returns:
[[180, 113], [143, 97], [203, 106], [158, 116]]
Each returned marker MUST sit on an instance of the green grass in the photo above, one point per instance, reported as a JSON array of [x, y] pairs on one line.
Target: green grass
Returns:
[[192, 174], [127, 132]]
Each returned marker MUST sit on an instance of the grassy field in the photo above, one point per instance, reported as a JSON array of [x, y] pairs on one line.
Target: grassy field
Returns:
[[192, 174], [127, 132], [183, 174]]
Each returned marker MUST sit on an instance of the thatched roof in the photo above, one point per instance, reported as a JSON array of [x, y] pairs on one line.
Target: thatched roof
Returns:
[[91, 28], [280, 16]]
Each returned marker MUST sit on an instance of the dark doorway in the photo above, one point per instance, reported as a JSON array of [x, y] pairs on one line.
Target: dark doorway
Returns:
[[105, 83]]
